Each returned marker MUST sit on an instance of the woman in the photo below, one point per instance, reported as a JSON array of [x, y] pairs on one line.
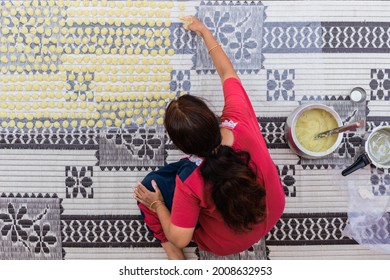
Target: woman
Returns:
[[227, 195]]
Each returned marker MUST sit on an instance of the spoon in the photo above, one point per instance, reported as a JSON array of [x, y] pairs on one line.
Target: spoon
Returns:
[[343, 128]]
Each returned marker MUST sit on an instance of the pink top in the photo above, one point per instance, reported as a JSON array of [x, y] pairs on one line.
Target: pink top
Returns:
[[190, 206]]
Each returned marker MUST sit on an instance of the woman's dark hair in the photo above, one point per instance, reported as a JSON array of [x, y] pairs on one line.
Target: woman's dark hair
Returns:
[[194, 129]]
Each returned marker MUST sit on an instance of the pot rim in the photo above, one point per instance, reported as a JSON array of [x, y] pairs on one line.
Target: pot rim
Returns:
[[327, 108], [379, 165]]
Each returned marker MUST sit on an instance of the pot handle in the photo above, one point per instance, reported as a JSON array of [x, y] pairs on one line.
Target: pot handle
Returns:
[[361, 161]]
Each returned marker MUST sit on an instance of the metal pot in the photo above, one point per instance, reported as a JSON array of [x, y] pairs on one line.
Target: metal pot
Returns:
[[292, 139], [377, 151]]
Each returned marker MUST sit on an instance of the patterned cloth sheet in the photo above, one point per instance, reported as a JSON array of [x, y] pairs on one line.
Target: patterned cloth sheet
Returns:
[[83, 89]]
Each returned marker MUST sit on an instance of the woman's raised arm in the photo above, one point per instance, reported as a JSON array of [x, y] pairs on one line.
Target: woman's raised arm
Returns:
[[221, 62]]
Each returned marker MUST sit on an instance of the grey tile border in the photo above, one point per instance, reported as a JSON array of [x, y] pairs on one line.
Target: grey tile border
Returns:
[[30, 228], [292, 37], [240, 40]]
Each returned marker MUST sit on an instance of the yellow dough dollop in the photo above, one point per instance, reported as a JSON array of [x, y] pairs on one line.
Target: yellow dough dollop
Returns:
[[140, 121], [128, 122], [38, 124], [74, 123], [65, 124], [99, 124], [160, 121], [118, 123]]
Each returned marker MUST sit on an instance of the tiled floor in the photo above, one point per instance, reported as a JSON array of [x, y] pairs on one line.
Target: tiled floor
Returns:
[[83, 94]]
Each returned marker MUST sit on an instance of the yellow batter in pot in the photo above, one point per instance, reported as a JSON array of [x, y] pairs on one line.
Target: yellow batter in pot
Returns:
[[312, 122]]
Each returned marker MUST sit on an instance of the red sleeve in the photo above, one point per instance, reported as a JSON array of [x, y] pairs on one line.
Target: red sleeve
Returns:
[[186, 206], [237, 104]]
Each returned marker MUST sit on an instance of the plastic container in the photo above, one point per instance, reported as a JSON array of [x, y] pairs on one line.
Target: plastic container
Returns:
[[357, 95]]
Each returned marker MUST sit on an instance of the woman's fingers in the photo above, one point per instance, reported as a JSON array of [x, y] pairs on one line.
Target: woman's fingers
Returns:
[[137, 198], [145, 196], [141, 187], [141, 191], [192, 23], [137, 194], [157, 190], [187, 20], [155, 187]]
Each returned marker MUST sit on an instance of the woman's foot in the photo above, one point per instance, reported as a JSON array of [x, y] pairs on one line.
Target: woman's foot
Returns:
[[173, 252]]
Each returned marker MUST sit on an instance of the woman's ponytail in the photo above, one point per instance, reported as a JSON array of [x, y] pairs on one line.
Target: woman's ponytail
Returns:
[[234, 188]]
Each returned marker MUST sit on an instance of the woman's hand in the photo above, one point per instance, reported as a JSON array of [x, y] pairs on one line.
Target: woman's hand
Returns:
[[193, 24], [221, 62], [148, 198]]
